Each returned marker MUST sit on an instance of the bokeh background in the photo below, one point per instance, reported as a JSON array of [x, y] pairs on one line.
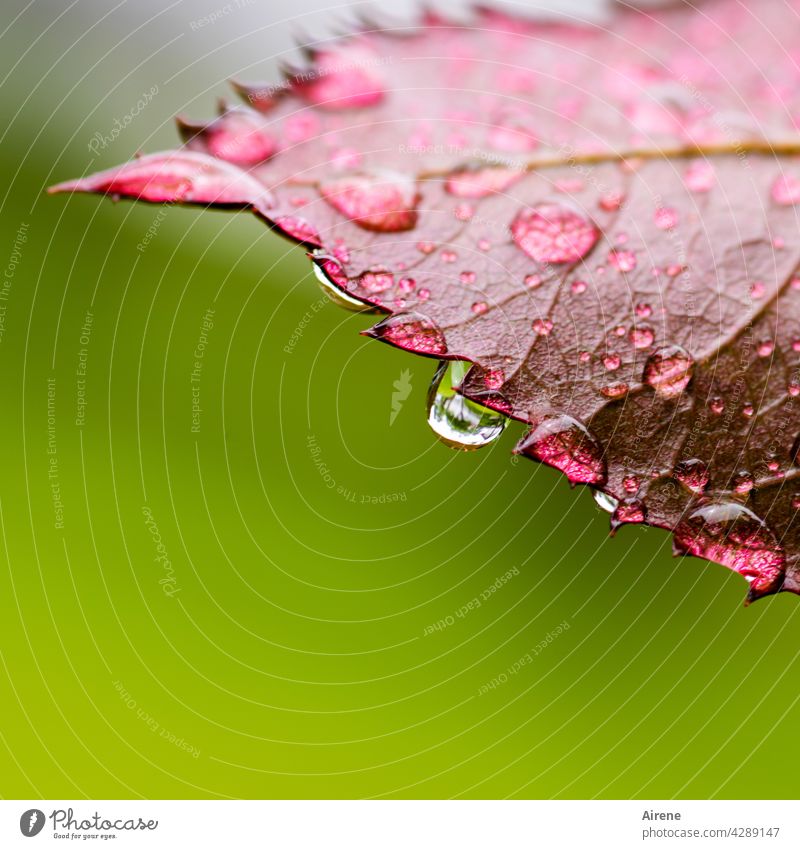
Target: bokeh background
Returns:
[[272, 604]]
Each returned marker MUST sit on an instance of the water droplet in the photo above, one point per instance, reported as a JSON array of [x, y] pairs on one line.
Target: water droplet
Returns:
[[604, 501], [727, 533], [641, 337], [542, 326], [407, 285], [467, 277], [459, 422], [757, 290], [578, 287], [796, 501], [674, 270], [533, 280], [612, 362], [611, 201], [449, 256], [549, 233], [669, 370], [743, 482], [381, 204], [614, 390], [564, 443], [326, 268], [480, 307], [494, 378], [410, 331], [619, 330], [424, 294], [464, 211], [426, 247], [630, 483], [584, 356], [622, 260], [794, 389], [693, 474], [666, 218], [484, 244], [765, 348], [786, 190], [700, 176], [480, 182], [748, 409], [344, 78], [643, 310], [630, 511]]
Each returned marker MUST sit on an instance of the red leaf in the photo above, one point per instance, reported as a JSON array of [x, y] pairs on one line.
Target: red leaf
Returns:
[[602, 219]]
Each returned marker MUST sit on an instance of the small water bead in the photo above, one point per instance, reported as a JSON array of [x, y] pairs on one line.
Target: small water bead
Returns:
[[748, 410], [622, 260], [564, 443], [619, 330], [631, 483], [533, 280], [693, 474], [407, 285], [630, 511], [614, 390], [340, 298], [424, 294], [716, 405], [464, 211], [669, 370], [479, 307], [481, 182], [467, 277], [621, 238], [757, 290], [549, 233], [494, 378], [726, 532], [604, 501], [584, 356], [449, 256], [484, 244], [786, 190], [674, 270], [410, 331], [795, 284], [542, 326], [612, 362], [796, 346], [765, 348], [793, 389], [426, 247], [381, 204], [300, 229], [642, 337], [457, 421], [796, 501], [643, 310], [666, 218], [699, 176], [578, 287], [743, 482], [772, 463]]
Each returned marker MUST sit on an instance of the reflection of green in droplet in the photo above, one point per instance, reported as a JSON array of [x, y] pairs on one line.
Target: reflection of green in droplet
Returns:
[[605, 501], [457, 421]]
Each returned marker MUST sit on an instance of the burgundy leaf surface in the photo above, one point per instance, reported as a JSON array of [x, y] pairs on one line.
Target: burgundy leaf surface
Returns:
[[603, 219]]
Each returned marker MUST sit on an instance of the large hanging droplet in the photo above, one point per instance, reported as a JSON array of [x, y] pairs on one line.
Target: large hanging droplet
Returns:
[[564, 443], [726, 532], [457, 421]]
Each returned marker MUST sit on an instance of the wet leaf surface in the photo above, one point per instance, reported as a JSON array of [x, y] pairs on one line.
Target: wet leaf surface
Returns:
[[601, 218]]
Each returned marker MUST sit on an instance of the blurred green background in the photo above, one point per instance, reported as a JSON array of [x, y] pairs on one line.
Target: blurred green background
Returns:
[[282, 641]]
